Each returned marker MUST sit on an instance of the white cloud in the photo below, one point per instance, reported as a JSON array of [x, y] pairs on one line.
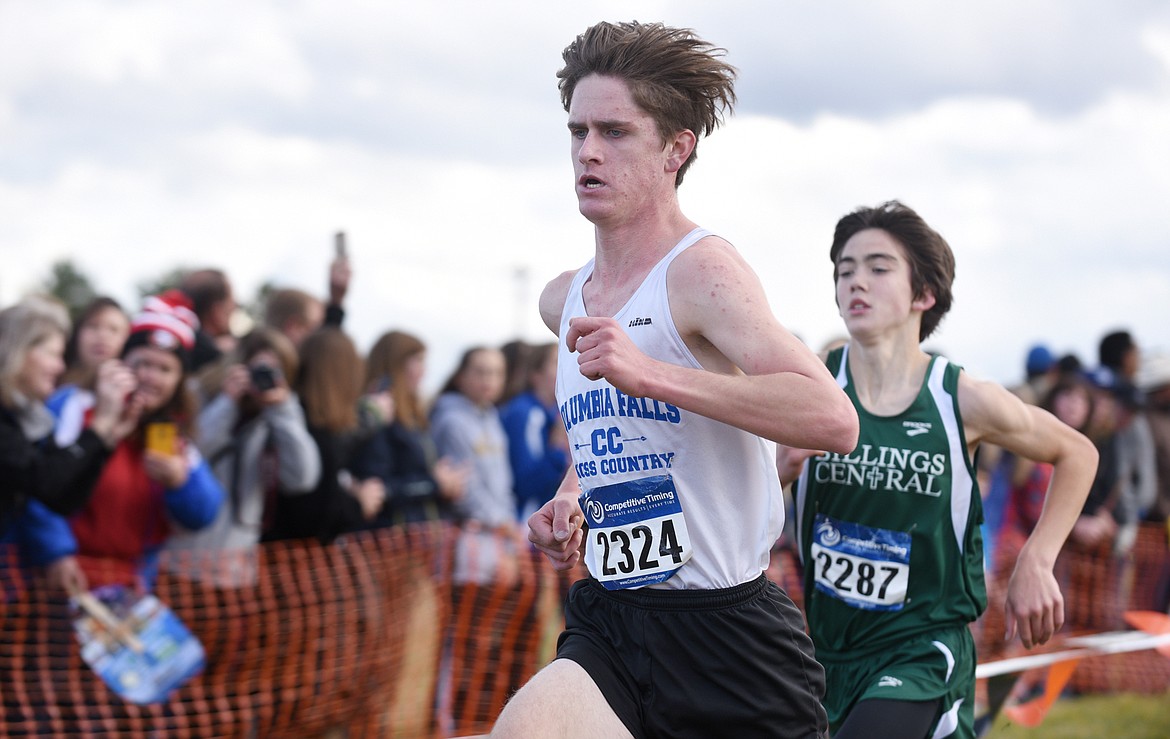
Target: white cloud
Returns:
[[216, 47]]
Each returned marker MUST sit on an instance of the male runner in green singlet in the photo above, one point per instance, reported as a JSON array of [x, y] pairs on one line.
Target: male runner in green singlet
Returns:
[[889, 533]]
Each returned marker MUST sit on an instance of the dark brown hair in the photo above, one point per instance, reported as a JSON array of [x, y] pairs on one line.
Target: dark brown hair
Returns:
[[330, 381], [285, 305], [932, 263], [675, 76], [205, 288], [516, 355], [387, 360], [452, 383], [534, 361]]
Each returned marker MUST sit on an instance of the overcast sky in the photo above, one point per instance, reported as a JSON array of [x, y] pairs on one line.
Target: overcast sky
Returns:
[[136, 137]]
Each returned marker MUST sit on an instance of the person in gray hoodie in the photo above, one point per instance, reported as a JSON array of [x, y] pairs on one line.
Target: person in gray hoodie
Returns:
[[466, 428], [490, 546], [253, 433]]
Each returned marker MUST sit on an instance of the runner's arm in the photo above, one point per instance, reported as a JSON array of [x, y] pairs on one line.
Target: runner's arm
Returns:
[[756, 375], [992, 414], [790, 461]]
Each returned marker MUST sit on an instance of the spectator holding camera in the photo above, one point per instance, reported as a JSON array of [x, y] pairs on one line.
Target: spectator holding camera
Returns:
[[253, 433]]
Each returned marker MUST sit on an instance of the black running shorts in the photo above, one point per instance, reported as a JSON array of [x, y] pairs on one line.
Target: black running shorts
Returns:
[[734, 662]]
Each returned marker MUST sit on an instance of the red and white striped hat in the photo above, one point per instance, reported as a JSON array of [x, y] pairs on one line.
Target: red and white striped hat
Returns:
[[168, 322]]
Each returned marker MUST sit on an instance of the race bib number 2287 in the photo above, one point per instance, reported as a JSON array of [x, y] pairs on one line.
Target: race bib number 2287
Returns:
[[637, 532], [866, 567]]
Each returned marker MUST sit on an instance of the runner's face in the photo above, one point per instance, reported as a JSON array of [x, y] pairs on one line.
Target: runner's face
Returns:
[[873, 285], [619, 159]]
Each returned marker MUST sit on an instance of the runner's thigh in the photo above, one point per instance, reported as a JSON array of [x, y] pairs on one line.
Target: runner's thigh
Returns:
[[562, 701]]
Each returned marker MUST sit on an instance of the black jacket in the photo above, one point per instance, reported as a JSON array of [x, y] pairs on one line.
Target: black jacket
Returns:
[[61, 478], [329, 510], [403, 457]]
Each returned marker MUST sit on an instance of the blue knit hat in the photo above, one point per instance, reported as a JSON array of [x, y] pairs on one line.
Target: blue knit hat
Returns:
[[1040, 360]]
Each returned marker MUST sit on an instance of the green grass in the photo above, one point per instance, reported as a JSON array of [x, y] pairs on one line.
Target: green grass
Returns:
[[1091, 717]]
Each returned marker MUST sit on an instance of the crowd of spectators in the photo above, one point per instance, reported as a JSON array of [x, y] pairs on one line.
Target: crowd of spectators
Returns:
[[160, 438], [157, 435]]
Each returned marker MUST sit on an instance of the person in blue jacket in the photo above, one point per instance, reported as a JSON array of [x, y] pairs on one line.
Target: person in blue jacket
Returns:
[[538, 447]]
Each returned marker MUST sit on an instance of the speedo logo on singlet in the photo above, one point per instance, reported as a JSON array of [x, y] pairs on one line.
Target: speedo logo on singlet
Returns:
[[641, 322], [916, 428]]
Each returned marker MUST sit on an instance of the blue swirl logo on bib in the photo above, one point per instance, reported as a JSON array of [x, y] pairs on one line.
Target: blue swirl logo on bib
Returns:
[[595, 510], [828, 534]]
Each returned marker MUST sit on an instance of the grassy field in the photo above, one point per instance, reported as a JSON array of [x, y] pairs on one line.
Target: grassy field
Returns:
[[1092, 717]]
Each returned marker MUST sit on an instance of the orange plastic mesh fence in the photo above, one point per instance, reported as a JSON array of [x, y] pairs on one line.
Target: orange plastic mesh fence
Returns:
[[410, 632], [352, 636], [1099, 586]]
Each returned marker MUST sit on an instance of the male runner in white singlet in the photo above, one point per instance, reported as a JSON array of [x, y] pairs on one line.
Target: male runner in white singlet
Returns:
[[672, 373]]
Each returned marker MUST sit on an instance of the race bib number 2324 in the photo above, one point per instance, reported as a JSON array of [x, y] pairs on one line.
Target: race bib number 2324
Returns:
[[637, 532]]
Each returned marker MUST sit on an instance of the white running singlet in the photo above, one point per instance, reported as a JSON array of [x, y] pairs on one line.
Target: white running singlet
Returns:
[[672, 499]]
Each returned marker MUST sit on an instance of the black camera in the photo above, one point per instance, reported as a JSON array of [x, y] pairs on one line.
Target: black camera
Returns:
[[263, 377]]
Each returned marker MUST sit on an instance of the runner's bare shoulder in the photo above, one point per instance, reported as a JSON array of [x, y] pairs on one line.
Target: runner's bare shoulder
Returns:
[[552, 299]]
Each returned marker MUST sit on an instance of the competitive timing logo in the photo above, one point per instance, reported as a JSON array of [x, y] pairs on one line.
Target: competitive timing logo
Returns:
[[827, 534], [595, 511]]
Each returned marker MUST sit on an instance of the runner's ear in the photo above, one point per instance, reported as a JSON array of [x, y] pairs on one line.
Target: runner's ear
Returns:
[[678, 149], [923, 302]]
